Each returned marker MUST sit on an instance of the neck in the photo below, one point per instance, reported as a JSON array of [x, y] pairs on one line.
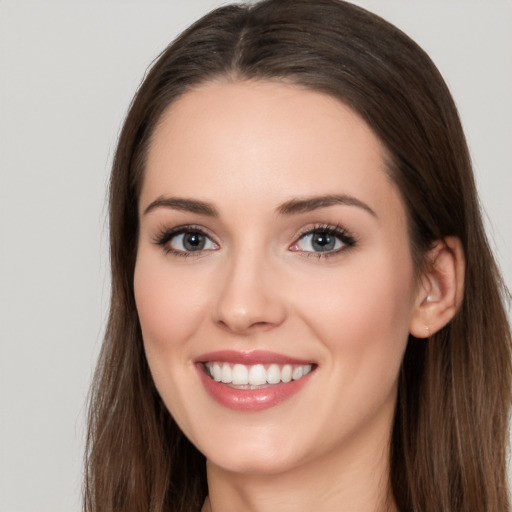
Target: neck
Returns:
[[356, 480]]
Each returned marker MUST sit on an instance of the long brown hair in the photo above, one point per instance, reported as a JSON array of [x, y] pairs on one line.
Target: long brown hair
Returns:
[[448, 450]]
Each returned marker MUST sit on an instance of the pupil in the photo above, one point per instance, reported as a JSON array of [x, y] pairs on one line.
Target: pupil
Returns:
[[193, 241], [323, 242]]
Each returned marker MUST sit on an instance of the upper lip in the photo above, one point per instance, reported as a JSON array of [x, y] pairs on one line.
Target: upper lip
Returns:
[[250, 357]]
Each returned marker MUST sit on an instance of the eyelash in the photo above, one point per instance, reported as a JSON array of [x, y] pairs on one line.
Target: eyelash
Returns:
[[348, 241], [164, 237]]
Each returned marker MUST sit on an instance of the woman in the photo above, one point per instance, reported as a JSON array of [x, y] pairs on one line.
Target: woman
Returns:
[[305, 312]]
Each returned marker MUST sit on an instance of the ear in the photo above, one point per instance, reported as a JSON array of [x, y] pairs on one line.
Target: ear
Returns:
[[441, 288]]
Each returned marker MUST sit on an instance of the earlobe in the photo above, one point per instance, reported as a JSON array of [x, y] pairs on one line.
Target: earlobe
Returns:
[[441, 289]]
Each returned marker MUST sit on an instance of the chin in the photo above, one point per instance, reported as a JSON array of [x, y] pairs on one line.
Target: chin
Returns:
[[257, 452], [254, 462]]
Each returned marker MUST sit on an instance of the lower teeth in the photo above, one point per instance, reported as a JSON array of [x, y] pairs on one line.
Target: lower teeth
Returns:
[[249, 386]]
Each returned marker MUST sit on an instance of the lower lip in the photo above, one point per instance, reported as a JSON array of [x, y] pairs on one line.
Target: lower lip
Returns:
[[251, 399]]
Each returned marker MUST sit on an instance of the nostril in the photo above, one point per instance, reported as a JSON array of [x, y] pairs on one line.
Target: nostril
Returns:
[[245, 327]]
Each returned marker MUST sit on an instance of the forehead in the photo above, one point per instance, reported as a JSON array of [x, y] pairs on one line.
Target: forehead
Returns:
[[263, 142]]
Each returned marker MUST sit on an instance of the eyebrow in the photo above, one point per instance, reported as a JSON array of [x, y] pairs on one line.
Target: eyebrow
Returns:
[[291, 207], [308, 204], [183, 204]]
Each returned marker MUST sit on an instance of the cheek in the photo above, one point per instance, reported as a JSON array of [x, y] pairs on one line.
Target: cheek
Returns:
[[170, 313], [362, 314], [168, 305]]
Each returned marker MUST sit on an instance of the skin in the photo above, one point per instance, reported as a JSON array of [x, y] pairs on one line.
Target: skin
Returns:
[[246, 148]]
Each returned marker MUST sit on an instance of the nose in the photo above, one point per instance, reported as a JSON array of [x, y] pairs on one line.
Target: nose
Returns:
[[250, 296]]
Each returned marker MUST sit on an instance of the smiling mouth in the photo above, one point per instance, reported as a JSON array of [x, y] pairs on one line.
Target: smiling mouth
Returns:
[[256, 376], [253, 381]]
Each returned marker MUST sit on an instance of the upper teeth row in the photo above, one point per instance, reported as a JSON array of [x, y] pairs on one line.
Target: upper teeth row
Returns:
[[256, 375]]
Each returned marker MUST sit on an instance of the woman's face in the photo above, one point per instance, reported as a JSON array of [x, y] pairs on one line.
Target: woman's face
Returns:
[[273, 245]]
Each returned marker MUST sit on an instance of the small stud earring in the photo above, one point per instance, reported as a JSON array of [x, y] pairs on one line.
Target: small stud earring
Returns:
[[427, 328]]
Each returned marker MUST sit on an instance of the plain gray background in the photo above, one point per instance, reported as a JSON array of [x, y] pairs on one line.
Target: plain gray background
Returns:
[[68, 70]]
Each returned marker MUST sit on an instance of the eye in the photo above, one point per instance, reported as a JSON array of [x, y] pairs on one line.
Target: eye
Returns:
[[186, 240], [323, 241], [191, 241]]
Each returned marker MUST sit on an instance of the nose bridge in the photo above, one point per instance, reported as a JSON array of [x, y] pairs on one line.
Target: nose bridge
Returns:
[[248, 297]]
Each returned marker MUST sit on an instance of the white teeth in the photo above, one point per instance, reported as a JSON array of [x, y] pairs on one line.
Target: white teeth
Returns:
[[273, 374], [216, 372], [257, 374], [298, 372], [286, 373], [240, 375], [227, 374]]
